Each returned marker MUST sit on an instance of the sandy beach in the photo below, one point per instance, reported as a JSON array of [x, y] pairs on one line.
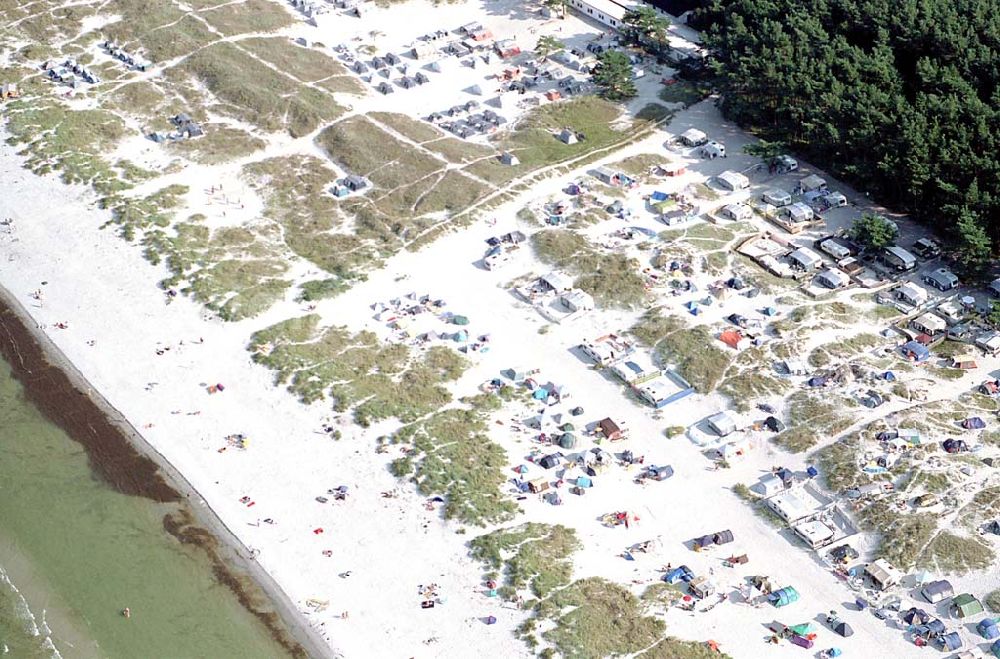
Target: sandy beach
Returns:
[[152, 361]]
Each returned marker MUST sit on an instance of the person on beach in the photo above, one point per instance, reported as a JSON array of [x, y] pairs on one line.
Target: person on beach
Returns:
[[127, 612]]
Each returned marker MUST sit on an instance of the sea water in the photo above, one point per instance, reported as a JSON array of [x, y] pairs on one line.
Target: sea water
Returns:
[[74, 553]]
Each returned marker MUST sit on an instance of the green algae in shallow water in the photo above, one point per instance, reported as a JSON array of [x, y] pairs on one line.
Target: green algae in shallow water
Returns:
[[81, 552]]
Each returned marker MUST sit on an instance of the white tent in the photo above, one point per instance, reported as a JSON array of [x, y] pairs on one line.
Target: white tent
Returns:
[[733, 180], [693, 137]]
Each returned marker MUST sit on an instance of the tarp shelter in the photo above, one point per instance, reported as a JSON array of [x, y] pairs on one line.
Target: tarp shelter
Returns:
[[843, 629], [951, 641], [973, 423], [783, 597], [538, 485], [704, 541], [988, 629], [723, 537], [965, 605], [610, 429], [682, 573], [936, 591], [915, 351]]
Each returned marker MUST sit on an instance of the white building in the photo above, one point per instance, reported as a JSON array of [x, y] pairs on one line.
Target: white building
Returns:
[[635, 369], [608, 12], [607, 349], [816, 533], [789, 506], [577, 300]]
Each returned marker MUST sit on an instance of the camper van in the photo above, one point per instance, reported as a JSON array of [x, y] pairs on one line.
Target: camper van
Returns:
[[898, 258], [835, 249], [777, 197]]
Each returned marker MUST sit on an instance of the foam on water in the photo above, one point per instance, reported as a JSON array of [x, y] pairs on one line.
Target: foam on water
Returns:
[[22, 610]]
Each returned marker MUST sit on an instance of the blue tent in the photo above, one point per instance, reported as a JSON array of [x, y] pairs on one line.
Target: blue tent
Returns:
[[917, 351], [540, 394], [783, 596], [995, 648], [682, 573], [988, 629], [889, 376], [818, 381], [659, 196], [583, 481], [951, 641], [461, 336], [973, 423], [770, 311]]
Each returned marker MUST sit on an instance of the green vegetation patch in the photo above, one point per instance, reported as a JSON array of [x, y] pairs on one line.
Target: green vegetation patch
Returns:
[[612, 279], [135, 214], [255, 93], [684, 92], [903, 535], [407, 126], [71, 142], [533, 139], [692, 351], [219, 144], [364, 148], [356, 371], [812, 418], [530, 556], [452, 456], [237, 272], [248, 16], [838, 463], [951, 553], [306, 64], [596, 618]]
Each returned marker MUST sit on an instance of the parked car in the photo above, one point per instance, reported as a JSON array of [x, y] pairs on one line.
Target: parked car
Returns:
[[942, 279], [926, 248]]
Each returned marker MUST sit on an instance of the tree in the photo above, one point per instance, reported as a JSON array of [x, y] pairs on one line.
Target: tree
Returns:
[[766, 150], [646, 26], [557, 4], [993, 317], [613, 75], [874, 231], [973, 243], [547, 44]]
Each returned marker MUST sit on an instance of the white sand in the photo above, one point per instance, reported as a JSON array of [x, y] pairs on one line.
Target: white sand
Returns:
[[105, 292]]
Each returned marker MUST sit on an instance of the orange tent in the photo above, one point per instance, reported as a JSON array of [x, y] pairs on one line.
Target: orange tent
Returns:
[[731, 338]]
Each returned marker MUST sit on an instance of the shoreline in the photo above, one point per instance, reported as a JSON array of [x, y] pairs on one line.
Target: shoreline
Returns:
[[130, 465]]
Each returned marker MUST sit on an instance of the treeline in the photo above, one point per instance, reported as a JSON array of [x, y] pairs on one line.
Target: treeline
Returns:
[[900, 97]]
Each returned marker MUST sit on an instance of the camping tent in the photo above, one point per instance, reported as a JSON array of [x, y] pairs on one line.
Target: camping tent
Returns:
[[915, 351], [955, 446], [703, 541], [974, 423], [682, 573], [550, 461], [965, 605], [723, 537], [915, 616], [783, 597], [568, 441], [937, 591], [951, 641], [843, 629], [988, 629]]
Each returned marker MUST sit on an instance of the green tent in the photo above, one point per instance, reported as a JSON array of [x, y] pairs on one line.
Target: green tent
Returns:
[[966, 605], [460, 320], [567, 427], [803, 629], [568, 441]]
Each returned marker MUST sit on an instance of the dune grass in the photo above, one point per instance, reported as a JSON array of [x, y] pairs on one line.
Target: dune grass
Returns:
[[531, 556], [903, 535], [356, 372], [248, 16], [305, 64], [812, 417], [452, 457], [219, 144]]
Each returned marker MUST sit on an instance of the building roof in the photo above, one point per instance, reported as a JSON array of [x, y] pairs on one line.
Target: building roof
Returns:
[[722, 423], [789, 505], [814, 532], [557, 281], [912, 291], [735, 180], [835, 277], [659, 388], [931, 322]]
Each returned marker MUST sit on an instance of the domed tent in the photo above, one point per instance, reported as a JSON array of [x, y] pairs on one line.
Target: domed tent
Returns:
[[843, 629], [783, 597], [567, 441]]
